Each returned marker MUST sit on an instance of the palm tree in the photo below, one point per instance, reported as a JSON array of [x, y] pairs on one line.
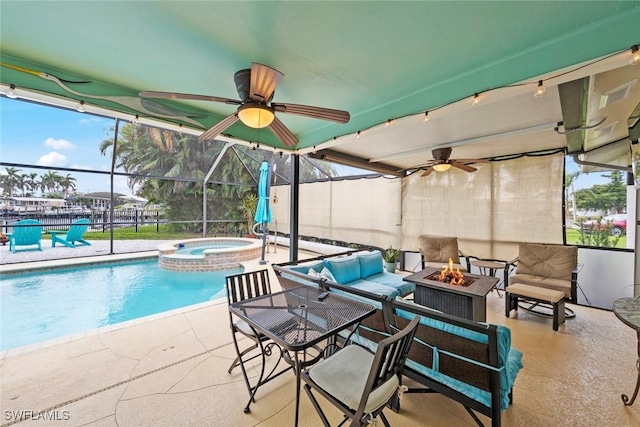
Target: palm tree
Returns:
[[569, 179], [11, 179], [33, 183], [67, 182], [22, 183], [50, 182]]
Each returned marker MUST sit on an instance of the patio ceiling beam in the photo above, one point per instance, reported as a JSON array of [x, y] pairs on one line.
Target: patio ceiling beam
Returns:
[[634, 124], [354, 161], [574, 99]]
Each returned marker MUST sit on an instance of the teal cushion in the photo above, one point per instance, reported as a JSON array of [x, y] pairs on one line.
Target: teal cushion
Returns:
[[370, 263], [344, 269], [508, 357], [305, 266], [374, 288], [395, 281], [300, 280]]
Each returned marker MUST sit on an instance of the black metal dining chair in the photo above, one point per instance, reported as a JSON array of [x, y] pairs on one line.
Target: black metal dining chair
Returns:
[[358, 382], [239, 288]]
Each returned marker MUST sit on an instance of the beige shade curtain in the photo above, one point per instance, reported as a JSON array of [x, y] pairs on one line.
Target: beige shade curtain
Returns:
[[365, 211], [490, 211]]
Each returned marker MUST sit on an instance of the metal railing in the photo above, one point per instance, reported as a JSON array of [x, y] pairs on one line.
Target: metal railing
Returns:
[[100, 222]]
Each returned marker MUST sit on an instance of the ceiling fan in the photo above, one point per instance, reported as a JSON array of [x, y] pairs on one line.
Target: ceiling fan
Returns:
[[441, 162], [256, 87]]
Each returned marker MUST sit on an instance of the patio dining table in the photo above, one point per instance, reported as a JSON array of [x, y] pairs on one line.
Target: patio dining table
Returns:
[[298, 319], [628, 311]]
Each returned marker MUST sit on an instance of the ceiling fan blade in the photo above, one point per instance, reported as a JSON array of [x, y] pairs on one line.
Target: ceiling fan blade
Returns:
[[173, 95], [468, 161], [462, 166], [219, 127], [428, 171], [264, 81], [430, 163], [283, 133], [321, 113]]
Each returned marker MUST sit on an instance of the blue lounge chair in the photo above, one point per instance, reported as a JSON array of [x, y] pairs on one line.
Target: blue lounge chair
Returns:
[[27, 232], [75, 233]]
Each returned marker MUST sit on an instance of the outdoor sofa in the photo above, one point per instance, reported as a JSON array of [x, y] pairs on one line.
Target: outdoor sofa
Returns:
[[359, 269], [470, 362]]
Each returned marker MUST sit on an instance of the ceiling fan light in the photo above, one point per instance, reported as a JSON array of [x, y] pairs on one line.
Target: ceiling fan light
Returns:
[[541, 90], [442, 167], [635, 55], [11, 93], [256, 115]]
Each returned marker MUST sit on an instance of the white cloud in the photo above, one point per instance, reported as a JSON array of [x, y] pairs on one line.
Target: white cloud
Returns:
[[59, 144], [52, 159]]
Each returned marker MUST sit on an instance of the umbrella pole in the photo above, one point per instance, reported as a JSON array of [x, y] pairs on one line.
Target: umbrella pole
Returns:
[[264, 230]]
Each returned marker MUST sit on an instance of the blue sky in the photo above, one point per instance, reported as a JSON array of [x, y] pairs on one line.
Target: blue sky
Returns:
[[41, 135], [584, 180]]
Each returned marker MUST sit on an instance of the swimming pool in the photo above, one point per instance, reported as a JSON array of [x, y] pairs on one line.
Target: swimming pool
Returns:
[[199, 250], [42, 305], [207, 254]]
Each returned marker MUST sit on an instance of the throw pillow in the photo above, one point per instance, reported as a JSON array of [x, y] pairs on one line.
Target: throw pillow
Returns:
[[370, 263], [344, 269], [304, 267]]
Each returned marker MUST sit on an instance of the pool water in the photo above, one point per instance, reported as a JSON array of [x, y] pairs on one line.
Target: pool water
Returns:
[[199, 250], [39, 306]]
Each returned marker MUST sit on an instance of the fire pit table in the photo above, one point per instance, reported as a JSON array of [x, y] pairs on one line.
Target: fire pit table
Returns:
[[466, 301]]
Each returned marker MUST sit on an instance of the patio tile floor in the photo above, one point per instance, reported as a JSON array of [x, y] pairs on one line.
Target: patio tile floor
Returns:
[[172, 371]]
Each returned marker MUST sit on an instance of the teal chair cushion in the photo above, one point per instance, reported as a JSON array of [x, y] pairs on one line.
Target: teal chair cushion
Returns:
[[305, 266], [395, 281], [370, 263], [374, 288], [509, 359], [345, 269]]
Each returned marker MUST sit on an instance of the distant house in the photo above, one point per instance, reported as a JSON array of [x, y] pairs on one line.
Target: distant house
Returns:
[[133, 202], [101, 200], [31, 204]]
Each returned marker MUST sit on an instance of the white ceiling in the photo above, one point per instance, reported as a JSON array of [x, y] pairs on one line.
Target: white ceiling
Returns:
[[508, 121]]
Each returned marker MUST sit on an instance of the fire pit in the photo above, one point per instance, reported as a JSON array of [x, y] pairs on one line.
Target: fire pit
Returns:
[[451, 276], [463, 296]]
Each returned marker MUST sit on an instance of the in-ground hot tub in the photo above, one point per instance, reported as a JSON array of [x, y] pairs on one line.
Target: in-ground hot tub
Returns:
[[208, 254]]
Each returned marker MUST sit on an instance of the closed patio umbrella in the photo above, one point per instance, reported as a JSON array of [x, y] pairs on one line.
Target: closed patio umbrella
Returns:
[[263, 211]]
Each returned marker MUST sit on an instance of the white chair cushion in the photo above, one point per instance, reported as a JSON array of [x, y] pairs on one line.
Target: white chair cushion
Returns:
[[244, 327], [344, 376]]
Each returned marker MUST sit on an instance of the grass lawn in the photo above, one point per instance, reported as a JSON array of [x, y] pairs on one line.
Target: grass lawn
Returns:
[[573, 237], [145, 232]]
